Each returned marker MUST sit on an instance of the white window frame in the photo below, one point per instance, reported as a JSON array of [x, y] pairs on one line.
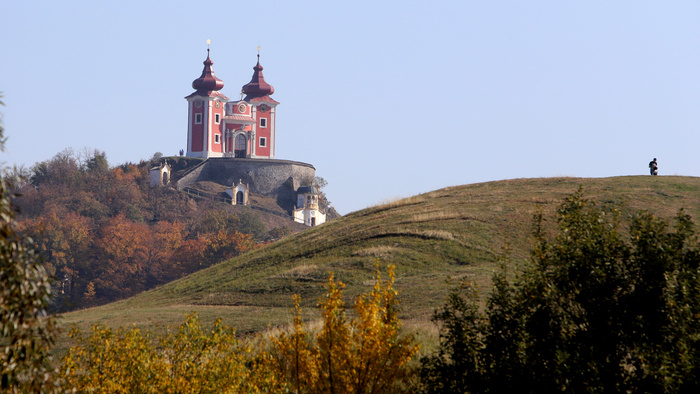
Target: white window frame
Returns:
[[217, 138], [262, 142], [198, 118], [217, 118], [263, 123]]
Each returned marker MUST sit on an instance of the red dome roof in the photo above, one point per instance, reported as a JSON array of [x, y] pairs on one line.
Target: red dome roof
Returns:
[[207, 81], [257, 87]]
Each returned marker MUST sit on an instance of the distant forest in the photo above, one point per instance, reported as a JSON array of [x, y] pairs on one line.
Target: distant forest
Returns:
[[105, 234]]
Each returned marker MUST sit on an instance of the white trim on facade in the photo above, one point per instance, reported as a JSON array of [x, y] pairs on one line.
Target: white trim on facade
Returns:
[[189, 128], [272, 130], [206, 142]]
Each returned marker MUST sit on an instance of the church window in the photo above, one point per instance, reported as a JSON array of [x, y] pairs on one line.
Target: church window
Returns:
[[217, 118], [217, 138], [263, 122], [197, 118], [263, 142]]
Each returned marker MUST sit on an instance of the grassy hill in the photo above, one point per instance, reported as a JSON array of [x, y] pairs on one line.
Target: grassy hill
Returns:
[[456, 232]]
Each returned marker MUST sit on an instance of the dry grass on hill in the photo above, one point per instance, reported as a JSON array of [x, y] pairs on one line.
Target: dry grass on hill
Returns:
[[434, 239]]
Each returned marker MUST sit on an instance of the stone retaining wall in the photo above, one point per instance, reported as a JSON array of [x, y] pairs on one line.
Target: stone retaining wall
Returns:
[[269, 177]]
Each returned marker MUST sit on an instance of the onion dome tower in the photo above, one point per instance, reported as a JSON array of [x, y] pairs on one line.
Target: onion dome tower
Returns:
[[205, 108], [257, 87], [263, 109], [207, 82]]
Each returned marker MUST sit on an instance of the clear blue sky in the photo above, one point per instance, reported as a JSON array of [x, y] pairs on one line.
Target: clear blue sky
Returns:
[[386, 99]]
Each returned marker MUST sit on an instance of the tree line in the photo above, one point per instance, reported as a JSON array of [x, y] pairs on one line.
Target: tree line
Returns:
[[105, 234]]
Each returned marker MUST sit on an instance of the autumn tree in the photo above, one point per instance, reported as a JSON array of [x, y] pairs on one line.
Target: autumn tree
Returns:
[[165, 239], [124, 245], [365, 353], [360, 354], [192, 359], [222, 246], [106, 234], [66, 241]]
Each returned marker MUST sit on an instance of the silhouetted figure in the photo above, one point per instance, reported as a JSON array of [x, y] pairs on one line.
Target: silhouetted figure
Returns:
[[654, 167]]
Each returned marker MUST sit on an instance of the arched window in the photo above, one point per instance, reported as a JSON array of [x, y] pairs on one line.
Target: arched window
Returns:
[[239, 146], [166, 176]]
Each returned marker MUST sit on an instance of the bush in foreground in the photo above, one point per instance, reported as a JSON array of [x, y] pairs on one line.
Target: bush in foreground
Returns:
[[363, 354], [26, 330]]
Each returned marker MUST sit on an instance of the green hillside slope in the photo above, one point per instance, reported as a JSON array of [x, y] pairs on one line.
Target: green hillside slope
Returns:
[[454, 232]]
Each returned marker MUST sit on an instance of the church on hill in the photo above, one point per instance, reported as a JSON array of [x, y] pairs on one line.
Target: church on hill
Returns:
[[231, 146], [219, 127]]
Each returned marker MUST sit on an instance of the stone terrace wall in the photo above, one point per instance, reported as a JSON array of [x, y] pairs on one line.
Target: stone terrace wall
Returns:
[[268, 177]]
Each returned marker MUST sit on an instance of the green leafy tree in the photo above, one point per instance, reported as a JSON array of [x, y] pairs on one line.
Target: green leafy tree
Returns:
[[595, 311], [250, 224], [457, 364], [26, 331], [322, 183]]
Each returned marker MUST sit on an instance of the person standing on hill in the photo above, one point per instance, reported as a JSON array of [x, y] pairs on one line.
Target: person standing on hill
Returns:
[[654, 167]]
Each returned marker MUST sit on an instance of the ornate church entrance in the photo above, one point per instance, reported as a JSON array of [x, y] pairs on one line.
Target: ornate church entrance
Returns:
[[239, 147]]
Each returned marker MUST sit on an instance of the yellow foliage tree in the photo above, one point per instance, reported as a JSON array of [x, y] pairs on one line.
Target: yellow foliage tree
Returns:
[[365, 354], [191, 360]]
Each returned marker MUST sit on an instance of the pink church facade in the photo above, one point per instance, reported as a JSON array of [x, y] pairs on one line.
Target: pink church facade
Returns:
[[220, 127]]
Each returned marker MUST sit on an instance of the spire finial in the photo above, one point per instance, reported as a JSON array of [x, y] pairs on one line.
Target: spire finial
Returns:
[[207, 81]]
